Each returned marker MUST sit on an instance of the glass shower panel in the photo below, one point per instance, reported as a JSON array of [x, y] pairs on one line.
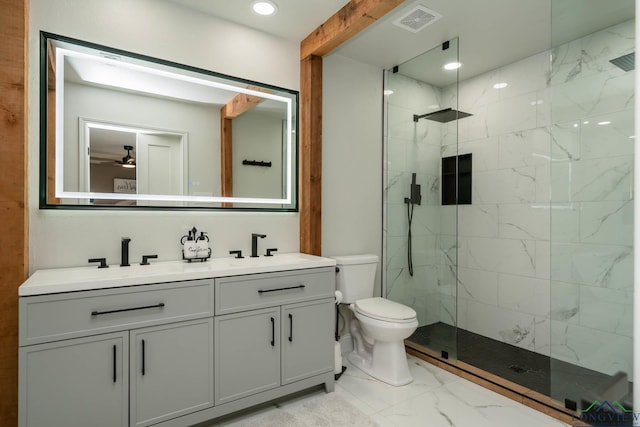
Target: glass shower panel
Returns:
[[591, 246], [420, 233]]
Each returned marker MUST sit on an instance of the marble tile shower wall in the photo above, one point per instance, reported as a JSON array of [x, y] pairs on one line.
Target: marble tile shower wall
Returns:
[[415, 148], [503, 236], [555, 278], [591, 192]]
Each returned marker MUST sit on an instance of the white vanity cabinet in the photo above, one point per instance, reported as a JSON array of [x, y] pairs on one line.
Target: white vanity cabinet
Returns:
[[132, 351], [97, 380], [171, 371], [307, 339], [77, 382], [247, 359], [257, 348]]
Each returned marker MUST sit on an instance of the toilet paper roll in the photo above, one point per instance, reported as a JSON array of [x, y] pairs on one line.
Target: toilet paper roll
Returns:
[[338, 297]]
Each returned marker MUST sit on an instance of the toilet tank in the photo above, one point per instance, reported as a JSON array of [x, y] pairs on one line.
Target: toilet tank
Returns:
[[356, 276]]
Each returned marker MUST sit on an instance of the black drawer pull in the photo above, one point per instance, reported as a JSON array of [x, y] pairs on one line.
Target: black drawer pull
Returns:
[[114, 364], [290, 327], [143, 359], [260, 291], [98, 313], [273, 332]]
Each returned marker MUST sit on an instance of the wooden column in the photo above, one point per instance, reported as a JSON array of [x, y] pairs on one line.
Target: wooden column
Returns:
[[311, 155], [13, 195], [354, 17], [226, 154]]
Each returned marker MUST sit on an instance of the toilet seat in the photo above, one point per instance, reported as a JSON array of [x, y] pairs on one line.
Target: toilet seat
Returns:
[[385, 310]]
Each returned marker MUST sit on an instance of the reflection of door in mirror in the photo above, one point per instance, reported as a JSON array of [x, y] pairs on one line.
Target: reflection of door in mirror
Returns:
[[160, 164], [127, 159]]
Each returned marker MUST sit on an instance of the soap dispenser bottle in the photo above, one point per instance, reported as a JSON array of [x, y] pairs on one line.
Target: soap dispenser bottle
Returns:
[[190, 249], [202, 246]]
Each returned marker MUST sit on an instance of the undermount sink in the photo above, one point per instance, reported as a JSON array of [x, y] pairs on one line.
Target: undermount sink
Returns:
[[277, 259], [90, 277]]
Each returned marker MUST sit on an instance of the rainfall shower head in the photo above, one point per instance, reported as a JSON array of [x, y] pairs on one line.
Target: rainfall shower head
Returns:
[[625, 62], [442, 116]]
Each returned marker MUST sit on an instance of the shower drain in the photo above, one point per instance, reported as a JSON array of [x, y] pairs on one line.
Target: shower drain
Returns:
[[518, 369]]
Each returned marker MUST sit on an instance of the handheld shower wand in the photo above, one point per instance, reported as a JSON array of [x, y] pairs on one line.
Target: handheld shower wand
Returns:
[[414, 199]]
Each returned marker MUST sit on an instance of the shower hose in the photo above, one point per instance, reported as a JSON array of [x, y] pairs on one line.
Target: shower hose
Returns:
[[409, 254]]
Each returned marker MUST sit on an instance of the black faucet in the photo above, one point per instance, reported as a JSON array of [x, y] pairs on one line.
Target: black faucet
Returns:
[[254, 244], [124, 262]]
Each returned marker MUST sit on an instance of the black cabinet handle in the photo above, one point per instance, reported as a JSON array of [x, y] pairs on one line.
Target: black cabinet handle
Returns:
[[290, 327], [114, 363], [143, 359], [273, 332], [98, 313], [260, 291]]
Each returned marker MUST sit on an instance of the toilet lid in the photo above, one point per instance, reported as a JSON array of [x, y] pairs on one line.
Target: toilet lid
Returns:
[[384, 309]]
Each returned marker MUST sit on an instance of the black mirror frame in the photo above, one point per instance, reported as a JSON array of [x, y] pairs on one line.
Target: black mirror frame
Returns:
[[43, 178]]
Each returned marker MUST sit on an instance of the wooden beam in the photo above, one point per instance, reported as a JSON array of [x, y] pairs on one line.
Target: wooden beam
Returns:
[[13, 195], [344, 24], [354, 17], [311, 155], [242, 102]]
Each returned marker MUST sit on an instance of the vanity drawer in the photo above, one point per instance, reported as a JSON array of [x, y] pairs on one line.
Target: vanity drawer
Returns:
[[55, 317], [255, 291]]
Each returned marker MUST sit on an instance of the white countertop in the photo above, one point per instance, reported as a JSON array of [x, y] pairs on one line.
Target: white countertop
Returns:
[[88, 278]]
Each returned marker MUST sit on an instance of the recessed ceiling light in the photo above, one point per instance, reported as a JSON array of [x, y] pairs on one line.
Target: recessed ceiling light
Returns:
[[604, 123], [500, 85], [452, 66], [264, 7]]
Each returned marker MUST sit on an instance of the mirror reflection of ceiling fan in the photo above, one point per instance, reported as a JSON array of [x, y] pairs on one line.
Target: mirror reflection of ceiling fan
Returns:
[[127, 161]]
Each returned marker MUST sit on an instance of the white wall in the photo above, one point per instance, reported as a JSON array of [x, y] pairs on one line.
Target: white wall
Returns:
[[351, 158], [258, 136], [164, 30]]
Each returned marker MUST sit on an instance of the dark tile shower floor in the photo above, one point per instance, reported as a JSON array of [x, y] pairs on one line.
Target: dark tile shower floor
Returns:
[[551, 377]]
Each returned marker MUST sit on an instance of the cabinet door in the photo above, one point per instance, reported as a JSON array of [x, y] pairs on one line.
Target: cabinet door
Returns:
[[171, 370], [79, 382], [247, 358], [307, 339]]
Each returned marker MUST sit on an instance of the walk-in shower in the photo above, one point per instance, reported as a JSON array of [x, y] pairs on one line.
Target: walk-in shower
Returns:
[[521, 248]]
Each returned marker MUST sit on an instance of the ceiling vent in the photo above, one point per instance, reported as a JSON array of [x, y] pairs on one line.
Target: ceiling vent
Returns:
[[416, 18], [626, 62]]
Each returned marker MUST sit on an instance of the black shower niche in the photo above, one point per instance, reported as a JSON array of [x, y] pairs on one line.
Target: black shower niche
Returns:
[[456, 180]]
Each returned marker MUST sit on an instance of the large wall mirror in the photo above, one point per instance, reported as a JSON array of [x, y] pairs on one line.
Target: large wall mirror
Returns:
[[122, 130]]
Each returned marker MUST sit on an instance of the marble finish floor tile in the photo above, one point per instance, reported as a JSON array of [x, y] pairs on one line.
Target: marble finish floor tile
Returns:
[[435, 398]]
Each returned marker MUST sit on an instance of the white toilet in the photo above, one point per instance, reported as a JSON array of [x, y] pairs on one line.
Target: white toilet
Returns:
[[380, 325]]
